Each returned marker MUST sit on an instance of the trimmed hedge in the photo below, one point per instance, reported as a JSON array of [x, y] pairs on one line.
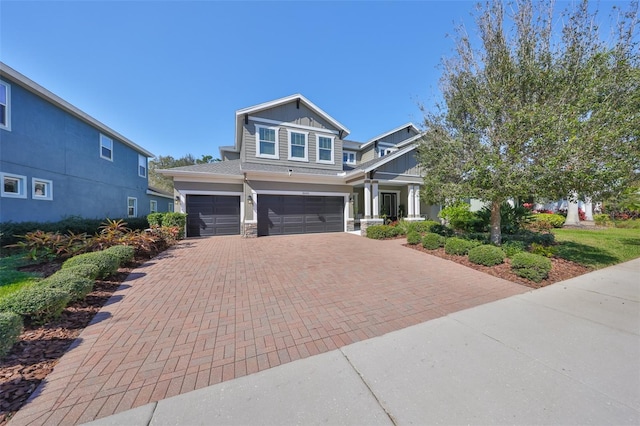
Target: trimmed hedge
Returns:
[[531, 266], [432, 241], [175, 219], [38, 303], [555, 220], [443, 230], [155, 219], [380, 232], [528, 238], [413, 238], [86, 270], [423, 226], [459, 246], [510, 248], [107, 263], [10, 329], [76, 285], [486, 255], [123, 253]]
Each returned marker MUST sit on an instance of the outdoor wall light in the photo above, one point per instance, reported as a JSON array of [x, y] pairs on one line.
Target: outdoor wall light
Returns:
[[290, 171], [249, 199], [177, 198]]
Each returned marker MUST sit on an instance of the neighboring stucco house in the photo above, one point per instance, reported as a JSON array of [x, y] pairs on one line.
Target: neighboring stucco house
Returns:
[[291, 171], [57, 161]]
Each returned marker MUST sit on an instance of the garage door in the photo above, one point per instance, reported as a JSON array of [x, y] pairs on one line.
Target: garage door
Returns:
[[294, 214], [213, 215]]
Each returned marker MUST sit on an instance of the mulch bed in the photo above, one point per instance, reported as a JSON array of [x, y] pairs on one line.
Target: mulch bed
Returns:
[[41, 346], [561, 270]]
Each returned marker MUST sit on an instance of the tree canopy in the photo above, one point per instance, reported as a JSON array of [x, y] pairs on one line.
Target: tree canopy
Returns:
[[167, 162], [533, 110]]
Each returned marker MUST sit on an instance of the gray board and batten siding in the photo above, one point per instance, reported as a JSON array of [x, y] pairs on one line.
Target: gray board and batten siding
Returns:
[[288, 113]]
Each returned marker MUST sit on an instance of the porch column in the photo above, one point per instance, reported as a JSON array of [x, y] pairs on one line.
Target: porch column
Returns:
[[416, 202], [367, 199], [410, 200], [376, 209]]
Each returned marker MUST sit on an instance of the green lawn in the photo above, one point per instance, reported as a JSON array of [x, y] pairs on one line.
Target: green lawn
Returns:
[[598, 248], [10, 278]]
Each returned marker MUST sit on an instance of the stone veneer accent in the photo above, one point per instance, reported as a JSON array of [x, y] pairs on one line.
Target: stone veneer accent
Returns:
[[351, 225], [250, 230], [365, 223]]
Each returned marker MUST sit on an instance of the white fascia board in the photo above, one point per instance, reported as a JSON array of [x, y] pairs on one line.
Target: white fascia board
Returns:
[[404, 126], [157, 194], [38, 90], [294, 178]]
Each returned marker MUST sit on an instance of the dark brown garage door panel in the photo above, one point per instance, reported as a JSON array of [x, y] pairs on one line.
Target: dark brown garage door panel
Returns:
[[209, 215], [296, 214]]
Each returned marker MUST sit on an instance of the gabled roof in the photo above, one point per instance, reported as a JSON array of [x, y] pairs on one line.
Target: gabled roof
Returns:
[[275, 103], [377, 162], [390, 132], [33, 87]]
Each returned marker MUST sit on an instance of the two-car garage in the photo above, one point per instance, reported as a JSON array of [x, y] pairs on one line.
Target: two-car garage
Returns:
[[209, 215]]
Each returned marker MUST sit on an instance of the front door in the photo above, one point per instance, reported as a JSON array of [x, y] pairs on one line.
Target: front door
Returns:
[[389, 207]]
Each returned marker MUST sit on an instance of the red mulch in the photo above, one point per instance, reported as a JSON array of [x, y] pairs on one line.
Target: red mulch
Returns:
[[41, 346], [561, 270]]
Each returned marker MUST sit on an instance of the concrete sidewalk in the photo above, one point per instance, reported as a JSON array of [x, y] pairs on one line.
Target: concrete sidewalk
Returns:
[[565, 354]]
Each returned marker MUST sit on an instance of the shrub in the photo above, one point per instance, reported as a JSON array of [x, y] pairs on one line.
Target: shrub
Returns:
[[443, 230], [107, 263], [486, 255], [512, 247], [423, 226], [37, 302], [380, 232], [10, 329], [531, 266], [628, 224], [602, 220], [413, 238], [66, 279], [458, 246], [553, 219], [432, 241], [512, 219], [86, 270], [529, 237], [459, 216], [175, 219], [155, 219], [123, 253], [542, 250]]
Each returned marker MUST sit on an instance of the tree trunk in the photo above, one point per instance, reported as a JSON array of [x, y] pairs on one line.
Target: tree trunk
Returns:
[[572, 210], [496, 233], [588, 208]]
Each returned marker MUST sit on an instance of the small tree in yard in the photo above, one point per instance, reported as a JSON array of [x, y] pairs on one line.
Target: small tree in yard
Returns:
[[532, 112]]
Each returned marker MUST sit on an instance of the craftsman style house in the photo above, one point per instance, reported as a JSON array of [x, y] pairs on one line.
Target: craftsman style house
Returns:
[[57, 161], [291, 170]]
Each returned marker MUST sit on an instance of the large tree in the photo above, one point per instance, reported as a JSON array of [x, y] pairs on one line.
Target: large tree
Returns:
[[534, 112]]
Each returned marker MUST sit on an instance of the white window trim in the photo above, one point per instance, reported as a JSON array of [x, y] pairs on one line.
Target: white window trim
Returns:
[[333, 149], [151, 208], [275, 156], [135, 206], [146, 165], [170, 207], [306, 146], [22, 186], [8, 109], [48, 184], [100, 146], [349, 153]]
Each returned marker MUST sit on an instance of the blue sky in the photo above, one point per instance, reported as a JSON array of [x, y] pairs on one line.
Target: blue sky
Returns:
[[170, 75]]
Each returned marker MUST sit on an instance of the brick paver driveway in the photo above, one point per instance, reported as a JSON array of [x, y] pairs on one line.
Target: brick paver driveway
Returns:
[[217, 308]]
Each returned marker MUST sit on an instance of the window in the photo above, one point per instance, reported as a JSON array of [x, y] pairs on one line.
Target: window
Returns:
[[348, 157], [153, 206], [298, 146], [13, 186], [267, 143], [382, 151], [5, 106], [142, 166], [170, 207], [42, 189], [325, 149], [106, 147], [132, 207]]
